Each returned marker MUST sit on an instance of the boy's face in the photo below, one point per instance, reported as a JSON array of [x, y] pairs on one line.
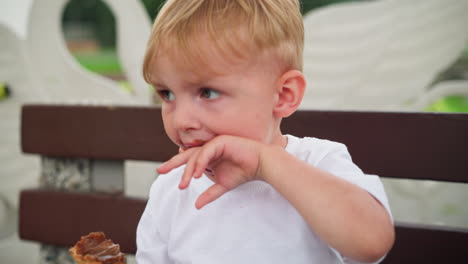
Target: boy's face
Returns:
[[238, 100]]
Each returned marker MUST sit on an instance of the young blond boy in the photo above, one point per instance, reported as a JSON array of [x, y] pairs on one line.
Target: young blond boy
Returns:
[[227, 72]]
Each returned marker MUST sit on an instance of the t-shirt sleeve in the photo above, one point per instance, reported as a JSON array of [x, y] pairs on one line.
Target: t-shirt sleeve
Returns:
[[151, 244], [338, 162]]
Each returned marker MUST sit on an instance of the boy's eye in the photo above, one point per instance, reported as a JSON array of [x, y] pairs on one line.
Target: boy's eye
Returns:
[[166, 95], [209, 93]]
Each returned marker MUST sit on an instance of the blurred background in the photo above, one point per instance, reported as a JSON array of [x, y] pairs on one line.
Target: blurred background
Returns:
[[89, 28], [378, 55]]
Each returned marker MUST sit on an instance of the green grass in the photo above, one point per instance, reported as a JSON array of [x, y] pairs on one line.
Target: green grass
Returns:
[[104, 62]]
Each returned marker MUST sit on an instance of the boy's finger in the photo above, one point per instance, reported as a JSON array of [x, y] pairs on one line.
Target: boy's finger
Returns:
[[207, 156], [211, 194], [204, 158], [174, 162], [188, 171]]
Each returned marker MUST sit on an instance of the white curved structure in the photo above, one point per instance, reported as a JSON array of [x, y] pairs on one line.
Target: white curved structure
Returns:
[[380, 55], [64, 78]]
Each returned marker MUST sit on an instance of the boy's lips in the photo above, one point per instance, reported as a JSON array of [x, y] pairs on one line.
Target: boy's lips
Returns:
[[192, 144]]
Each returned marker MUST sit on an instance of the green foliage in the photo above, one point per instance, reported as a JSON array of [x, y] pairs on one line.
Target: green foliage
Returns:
[[450, 104], [152, 7], [4, 91], [96, 14], [308, 5]]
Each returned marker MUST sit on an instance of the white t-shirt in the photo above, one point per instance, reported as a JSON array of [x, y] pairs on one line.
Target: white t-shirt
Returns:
[[250, 224]]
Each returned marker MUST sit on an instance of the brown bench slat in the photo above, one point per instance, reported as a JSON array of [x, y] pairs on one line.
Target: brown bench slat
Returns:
[[400, 145], [61, 218], [423, 146], [99, 132], [425, 244]]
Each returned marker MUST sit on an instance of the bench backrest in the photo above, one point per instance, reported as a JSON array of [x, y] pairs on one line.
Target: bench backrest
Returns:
[[399, 145]]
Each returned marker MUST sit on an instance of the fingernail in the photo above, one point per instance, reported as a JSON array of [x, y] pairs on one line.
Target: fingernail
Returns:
[[181, 186]]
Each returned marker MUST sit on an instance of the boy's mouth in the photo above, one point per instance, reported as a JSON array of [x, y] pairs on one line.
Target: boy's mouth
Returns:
[[193, 144]]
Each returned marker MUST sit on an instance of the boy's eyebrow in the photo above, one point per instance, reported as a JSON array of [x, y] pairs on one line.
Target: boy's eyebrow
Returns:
[[191, 82], [159, 85]]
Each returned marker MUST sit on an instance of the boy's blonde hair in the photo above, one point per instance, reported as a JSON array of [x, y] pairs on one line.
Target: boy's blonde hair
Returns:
[[235, 28]]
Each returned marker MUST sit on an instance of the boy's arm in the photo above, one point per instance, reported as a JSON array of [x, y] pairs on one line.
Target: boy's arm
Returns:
[[347, 217]]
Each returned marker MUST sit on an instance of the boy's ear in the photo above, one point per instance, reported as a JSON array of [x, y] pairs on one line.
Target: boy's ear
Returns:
[[290, 91]]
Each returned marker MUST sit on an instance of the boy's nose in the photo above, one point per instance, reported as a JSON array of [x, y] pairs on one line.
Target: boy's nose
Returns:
[[185, 118]]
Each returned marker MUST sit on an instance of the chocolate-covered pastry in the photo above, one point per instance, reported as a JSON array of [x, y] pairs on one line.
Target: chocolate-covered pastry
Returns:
[[96, 249]]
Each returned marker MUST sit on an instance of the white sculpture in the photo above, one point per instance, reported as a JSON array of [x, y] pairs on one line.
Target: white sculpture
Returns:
[[381, 55], [63, 77]]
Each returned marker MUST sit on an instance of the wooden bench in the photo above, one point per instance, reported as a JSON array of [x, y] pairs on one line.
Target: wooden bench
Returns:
[[420, 146]]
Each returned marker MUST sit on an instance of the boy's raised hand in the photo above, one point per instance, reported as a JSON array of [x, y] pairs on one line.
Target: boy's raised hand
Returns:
[[228, 161]]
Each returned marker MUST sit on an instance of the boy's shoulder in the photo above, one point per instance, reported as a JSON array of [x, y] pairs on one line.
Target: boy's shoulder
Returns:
[[313, 149], [312, 144]]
